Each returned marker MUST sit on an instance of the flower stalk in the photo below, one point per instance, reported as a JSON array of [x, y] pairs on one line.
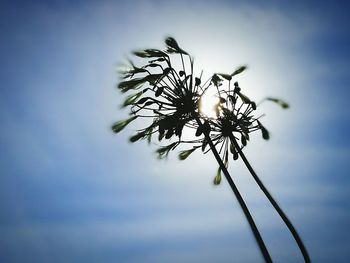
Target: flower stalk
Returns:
[[273, 202], [239, 197]]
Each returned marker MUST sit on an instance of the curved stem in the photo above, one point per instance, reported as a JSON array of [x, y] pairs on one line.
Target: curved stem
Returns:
[[240, 199], [273, 202]]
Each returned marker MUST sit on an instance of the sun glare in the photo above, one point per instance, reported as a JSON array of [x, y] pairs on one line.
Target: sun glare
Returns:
[[208, 102]]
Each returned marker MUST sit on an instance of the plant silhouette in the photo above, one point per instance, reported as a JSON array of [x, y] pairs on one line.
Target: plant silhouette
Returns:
[[169, 95]]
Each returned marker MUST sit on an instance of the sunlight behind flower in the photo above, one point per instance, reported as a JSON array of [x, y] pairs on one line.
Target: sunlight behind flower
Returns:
[[208, 102]]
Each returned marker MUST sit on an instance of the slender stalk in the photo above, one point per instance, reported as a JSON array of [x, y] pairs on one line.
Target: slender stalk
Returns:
[[273, 202], [240, 199]]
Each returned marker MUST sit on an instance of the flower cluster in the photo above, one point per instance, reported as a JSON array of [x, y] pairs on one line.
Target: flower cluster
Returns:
[[170, 97]]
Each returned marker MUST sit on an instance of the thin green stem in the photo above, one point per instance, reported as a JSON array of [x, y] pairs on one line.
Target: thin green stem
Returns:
[[273, 202], [240, 199]]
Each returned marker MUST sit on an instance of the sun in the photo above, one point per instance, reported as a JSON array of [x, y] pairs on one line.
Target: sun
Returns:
[[208, 102]]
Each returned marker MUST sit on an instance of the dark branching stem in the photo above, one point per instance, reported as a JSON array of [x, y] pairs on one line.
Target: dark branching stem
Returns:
[[273, 202], [235, 190]]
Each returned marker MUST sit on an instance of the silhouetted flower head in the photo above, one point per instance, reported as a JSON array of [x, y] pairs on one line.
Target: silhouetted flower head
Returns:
[[234, 120], [167, 95]]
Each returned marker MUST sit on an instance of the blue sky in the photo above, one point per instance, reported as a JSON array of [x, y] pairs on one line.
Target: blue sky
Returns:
[[71, 191]]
